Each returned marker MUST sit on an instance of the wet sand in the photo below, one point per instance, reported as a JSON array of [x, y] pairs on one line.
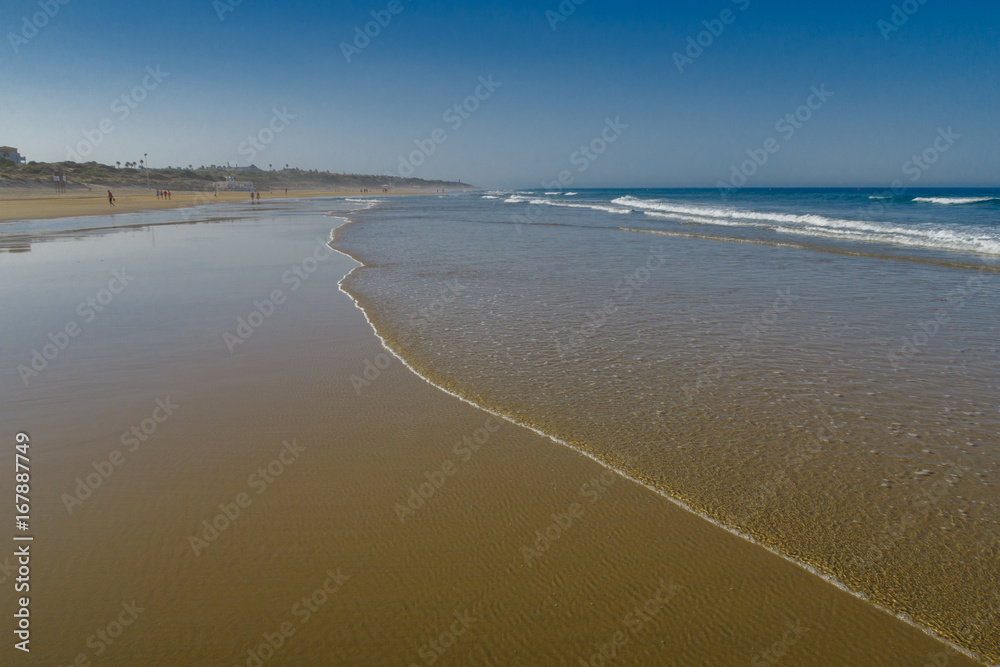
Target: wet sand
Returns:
[[523, 552]]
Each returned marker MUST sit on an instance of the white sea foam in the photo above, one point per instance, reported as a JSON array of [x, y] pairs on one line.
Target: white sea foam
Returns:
[[686, 217], [368, 202], [954, 200], [923, 236], [594, 206], [729, 213]]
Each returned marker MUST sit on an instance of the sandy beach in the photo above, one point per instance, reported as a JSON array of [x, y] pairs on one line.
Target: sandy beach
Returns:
[[39, 203], [230, 469]]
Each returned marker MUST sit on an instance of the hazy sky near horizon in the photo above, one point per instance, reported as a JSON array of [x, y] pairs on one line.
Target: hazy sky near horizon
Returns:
[[563, 69]]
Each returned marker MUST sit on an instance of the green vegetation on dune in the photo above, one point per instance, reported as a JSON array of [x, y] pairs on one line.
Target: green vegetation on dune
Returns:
[[172, 178]]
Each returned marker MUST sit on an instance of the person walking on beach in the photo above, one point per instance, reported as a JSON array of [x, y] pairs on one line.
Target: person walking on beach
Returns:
[[111, 198], [258, 197]]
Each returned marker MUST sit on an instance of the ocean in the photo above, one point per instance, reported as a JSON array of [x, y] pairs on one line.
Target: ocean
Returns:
[[816, 370]]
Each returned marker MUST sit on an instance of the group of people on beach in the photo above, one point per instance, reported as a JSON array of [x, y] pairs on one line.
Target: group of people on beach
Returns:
[[165, 194], [254, 196]]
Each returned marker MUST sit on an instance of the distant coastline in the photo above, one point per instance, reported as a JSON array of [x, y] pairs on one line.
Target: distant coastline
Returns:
[[29, 192], [90, 175]]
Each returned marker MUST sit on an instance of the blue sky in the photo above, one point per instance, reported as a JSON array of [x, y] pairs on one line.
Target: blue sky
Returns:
[[224, 79]]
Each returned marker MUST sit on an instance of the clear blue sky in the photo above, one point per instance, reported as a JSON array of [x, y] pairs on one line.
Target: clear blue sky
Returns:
[[941, 69]]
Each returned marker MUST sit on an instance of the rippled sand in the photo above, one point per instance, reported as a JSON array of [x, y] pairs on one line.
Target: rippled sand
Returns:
[[621, 570]]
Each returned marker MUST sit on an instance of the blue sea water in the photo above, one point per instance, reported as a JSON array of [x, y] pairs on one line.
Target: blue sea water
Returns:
[[926, 220]]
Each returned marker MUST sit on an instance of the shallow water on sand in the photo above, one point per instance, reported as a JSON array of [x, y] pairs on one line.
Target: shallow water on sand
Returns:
[[838, 406]]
